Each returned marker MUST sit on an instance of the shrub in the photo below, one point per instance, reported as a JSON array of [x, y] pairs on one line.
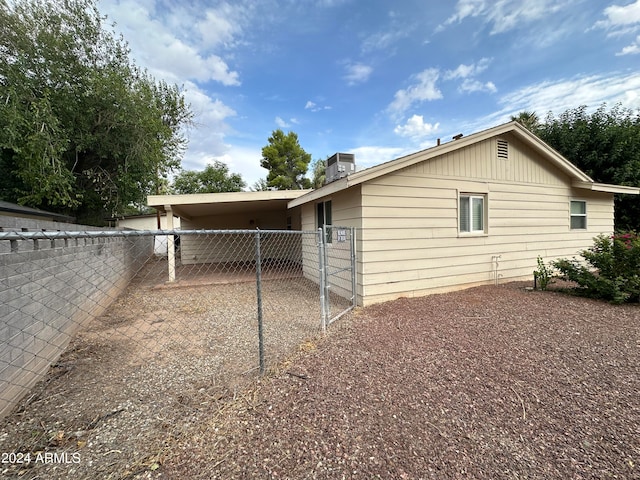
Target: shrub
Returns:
[[610, 270], [543, 275]]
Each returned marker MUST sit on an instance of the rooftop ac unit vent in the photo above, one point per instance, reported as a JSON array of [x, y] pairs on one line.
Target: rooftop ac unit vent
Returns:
[[339, 165]]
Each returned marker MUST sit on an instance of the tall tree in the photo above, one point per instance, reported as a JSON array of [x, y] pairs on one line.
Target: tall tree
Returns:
[[213, 179], [527, 119], [606, 146], [83, 131], [260, 185], [319, 173], [286, 161]]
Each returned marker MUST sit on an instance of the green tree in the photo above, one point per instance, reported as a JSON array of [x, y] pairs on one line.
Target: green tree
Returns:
[[260, 185], [606, 146], [213, 179], [83, 131], [286, 161], [319, 173], [527, 119]]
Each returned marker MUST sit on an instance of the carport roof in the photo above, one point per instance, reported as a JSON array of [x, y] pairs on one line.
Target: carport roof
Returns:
[[205, 204]]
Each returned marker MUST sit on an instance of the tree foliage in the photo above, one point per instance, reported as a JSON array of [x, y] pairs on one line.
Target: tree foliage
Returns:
[[83, 131], [260, 185], [527, 119], [215, 178], [286, 161], [606, 146], [319, 173]]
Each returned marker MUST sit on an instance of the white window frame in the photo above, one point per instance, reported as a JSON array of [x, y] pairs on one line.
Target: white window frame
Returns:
[[472, 231], [578, 215]]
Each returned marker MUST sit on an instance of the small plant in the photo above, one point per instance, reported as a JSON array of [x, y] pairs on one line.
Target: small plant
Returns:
[[610, 270], [543, 275]]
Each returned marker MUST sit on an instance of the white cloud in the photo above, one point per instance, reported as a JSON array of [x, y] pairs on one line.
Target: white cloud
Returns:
[[505, 15], [242, 160], [465, 71], [221, 26], [470, 85], [368, 156], [206, 138], [415, 128], [424, 88], [281, 123], [314, 107], [559, 96], [631, 49], [383, 40], [358, 73], [166, 47], [621, 18]]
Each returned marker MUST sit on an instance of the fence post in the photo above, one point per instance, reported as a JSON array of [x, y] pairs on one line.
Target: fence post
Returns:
[[322, 278], [259, 295], [354, 285]]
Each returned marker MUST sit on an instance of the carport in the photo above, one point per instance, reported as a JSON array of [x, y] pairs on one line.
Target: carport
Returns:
[[264, 210]]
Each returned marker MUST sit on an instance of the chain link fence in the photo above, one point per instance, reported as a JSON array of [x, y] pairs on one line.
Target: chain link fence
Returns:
[[112, 346]]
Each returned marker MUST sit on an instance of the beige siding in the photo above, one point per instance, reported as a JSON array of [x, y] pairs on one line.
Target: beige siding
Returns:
[[410, 243], [346, 211], [232, 247], [480, 161]]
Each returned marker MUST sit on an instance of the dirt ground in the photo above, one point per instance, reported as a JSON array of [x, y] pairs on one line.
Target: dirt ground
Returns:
[[490, 382]]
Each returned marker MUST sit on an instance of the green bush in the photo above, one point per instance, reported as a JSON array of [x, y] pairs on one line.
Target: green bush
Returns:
[[543, 275], [610, 270]]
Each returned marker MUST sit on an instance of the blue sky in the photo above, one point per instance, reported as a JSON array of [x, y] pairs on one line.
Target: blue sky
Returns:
[[376, 78]]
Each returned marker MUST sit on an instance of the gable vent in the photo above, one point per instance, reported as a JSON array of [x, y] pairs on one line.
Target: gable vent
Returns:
[[503, 149]]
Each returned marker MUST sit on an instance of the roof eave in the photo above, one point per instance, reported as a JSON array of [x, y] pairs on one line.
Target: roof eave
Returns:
[[607, 188]]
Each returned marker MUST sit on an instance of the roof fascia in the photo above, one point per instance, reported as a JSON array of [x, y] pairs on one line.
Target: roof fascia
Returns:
[[607, 188]]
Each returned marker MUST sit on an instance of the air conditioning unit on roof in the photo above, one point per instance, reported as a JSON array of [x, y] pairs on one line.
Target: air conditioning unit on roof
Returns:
[[339, 165]]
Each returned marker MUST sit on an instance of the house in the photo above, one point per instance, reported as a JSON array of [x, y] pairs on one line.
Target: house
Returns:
[[266, 210], [476, 210], [149, 222], [8, 209]]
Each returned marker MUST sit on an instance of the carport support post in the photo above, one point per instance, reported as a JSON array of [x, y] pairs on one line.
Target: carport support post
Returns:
[[259, 294], [171, 251]]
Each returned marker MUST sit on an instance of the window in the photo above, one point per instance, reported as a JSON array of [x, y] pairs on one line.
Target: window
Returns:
[[472, 213], [578, 215], [323, 217]]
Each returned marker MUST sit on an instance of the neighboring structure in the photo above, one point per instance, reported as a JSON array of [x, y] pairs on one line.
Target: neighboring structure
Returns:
[[473, 211], [20, 211], [150, 222], [476, 210]]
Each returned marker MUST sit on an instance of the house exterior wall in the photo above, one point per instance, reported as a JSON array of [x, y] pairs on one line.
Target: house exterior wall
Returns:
[[150, 222], [346, 211], [408, 239], [410, 243], [237, 247]]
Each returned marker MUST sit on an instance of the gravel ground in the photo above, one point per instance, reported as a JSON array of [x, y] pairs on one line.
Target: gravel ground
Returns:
[[157, 365], [490, 382]]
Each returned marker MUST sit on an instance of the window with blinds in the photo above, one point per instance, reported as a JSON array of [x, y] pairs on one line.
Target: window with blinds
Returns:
[[472, 213]]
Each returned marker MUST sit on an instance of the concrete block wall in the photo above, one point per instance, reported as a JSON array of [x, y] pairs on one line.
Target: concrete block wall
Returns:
[[51, 289]]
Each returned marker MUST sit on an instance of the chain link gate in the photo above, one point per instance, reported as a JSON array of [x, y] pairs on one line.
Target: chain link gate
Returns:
[[337, 259], [109, 349]]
